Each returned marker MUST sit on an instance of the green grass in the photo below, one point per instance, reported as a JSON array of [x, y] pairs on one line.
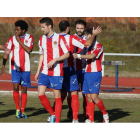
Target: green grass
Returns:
[[120, 110]]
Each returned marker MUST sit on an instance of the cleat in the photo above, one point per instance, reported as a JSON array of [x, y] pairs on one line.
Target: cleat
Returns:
[[23, 115], [88, 121], [106, 118], [52, 119], [69, 115], [48, 119], [75, 121], [18, 115]]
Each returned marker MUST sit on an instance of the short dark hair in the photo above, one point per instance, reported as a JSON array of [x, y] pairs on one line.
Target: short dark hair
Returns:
[[48, 21], [80, 21], [63, 25], [88, 31], [22, 24]]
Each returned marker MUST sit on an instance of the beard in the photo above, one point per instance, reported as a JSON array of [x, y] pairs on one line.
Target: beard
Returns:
[[80, 33]]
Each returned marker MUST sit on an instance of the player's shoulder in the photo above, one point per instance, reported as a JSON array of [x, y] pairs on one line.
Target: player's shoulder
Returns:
[[99, 44]]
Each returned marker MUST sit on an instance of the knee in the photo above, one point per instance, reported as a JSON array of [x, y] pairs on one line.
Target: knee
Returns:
[[16, 88], [89, 99], [95, 99], [24, 89]]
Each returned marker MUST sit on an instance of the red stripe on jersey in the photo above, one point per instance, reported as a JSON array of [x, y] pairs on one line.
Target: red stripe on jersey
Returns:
[[70, 59], [31, 45], [22, 56], [49, 55]]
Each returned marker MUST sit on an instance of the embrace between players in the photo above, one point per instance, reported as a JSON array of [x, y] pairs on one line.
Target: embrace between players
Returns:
[[66, 61]]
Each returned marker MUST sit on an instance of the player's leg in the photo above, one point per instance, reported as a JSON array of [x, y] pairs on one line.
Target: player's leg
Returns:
[[25, 82], [75, 105], [16, 81], [23, 101], [16, 98], [90, 109], [99, 103], [58, 105]]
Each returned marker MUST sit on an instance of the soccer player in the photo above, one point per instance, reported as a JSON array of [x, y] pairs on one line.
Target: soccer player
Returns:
[[79, 65], [21, 44], [92, 78], [70, 82], [53, 50]]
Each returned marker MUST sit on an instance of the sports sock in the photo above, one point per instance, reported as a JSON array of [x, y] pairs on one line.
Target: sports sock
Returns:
[[90, 110], [23, 101], [75, 106], [46, 103], [58, 109], [62, 99], [100, 105], [16, 99]]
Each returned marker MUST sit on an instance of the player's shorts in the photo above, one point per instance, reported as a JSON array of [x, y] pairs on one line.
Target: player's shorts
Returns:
[[54, 82], [20, 77], [70, 82], [80, 76], [92, 82]]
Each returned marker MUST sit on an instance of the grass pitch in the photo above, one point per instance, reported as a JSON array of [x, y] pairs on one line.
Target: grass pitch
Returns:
[[120, 110]]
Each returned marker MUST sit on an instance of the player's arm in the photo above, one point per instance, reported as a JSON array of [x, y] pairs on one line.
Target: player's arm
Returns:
[[39, 67], [87, 56], [26, 48], [4, 63], [61, 58], [94, 33], [5, 49]]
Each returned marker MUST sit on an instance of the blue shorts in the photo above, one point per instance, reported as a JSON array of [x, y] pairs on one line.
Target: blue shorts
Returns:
[[80, 76], [54, 82], [20, 77], [92, 82], [70, 82]]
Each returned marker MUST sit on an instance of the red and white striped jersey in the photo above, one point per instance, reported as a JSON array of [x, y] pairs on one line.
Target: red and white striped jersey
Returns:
[[73, 42], [51, 48], [94, 65], [20, 58], [80, 64]]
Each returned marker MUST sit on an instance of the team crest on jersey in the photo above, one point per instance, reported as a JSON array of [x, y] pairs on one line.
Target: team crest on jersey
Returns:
[[55, 42], [26, 41]]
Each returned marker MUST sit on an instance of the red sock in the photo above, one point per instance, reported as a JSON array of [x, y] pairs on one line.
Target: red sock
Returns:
[[84, 106], [69, 102], [16, 99], [62, 99], [90, 110], [58, 109], [23, 101], [46, 103], [100, 105], [75, 106]]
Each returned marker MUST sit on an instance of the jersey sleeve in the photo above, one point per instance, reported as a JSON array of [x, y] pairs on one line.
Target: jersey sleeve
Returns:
[[30, 42], [40, 46], [64, 45], [78, 42], [9, 43], [98, 50]]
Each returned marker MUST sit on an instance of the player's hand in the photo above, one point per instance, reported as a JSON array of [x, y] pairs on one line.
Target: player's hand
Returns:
[[97, 30], [36, 76], [74, 55], [2, 71], [1, 47], [51, 63], [17, 37]]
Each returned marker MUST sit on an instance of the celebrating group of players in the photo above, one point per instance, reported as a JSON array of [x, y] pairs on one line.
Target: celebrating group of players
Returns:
[[66, 61]]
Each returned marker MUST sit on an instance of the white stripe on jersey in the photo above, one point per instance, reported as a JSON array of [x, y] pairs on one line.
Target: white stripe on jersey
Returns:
[[16, 54]]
